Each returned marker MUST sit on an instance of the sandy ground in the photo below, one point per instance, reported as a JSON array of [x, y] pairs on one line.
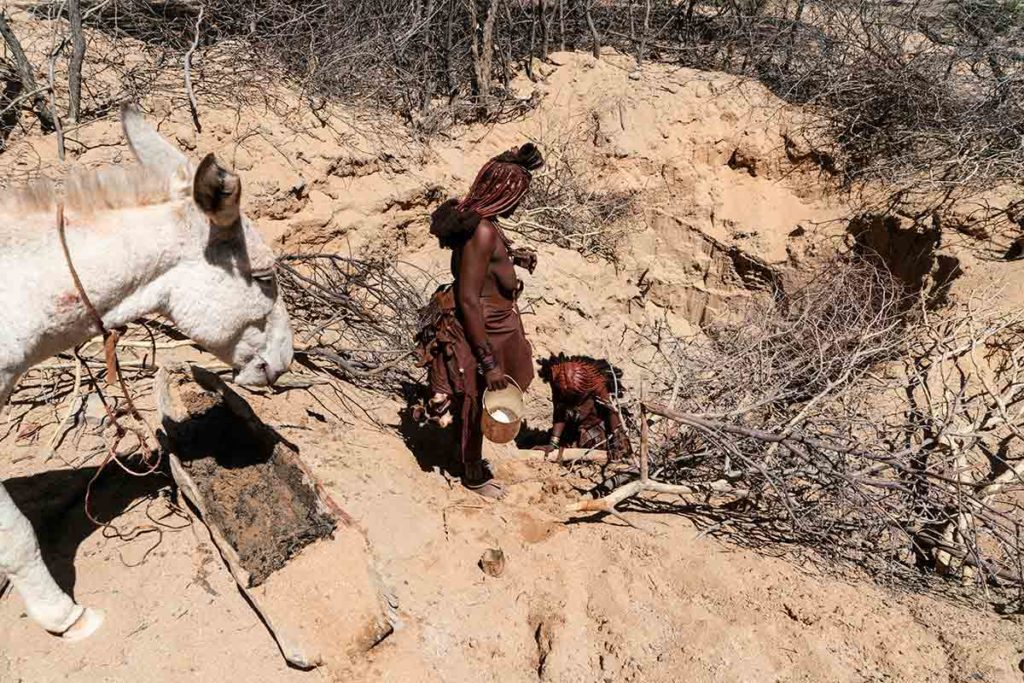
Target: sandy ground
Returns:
[[580, 600]]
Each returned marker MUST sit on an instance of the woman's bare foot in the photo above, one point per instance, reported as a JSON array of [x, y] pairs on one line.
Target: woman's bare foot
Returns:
[[488, 489], [478, 479]]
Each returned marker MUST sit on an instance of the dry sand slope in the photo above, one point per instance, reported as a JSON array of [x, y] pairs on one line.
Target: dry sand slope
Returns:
[[578, 602], [584, 601]]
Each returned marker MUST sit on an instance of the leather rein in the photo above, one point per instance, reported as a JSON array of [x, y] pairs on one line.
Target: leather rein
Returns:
[[114, 375]]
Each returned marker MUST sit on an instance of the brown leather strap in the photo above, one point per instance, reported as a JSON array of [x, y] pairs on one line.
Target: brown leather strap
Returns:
[[109, 337], [90, 309], [147, 439]]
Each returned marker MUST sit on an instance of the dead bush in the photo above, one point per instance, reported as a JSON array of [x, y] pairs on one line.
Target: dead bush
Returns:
[[849, 420], [923, 97], [354, 318]]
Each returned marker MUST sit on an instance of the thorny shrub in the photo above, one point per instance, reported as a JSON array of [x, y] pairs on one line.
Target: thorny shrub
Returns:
[[848, 419], [924, 97]]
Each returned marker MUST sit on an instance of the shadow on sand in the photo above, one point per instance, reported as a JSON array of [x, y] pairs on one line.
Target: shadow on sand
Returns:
[[54, 501], [437, 447]]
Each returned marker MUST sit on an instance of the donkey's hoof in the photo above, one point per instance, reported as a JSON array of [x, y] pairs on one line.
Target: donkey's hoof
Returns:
[[84, 626]]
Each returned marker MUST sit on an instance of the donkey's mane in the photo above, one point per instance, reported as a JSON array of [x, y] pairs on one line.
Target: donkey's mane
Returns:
[[93, 191]]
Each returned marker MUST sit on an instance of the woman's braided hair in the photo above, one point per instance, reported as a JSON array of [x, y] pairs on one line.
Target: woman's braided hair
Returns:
[[499, 186], [576, 377]]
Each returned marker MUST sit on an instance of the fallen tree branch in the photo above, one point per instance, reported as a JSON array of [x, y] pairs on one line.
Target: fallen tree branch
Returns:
[[845, 418], [350, 369], [73, 407], [645, 484], [356, 316], [26, 75]]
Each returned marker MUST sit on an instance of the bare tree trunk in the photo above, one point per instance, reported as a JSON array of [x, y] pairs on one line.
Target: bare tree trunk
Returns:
[[545, 46], [487, 58], [193, 105], [482, 48], [792, 33], [593, 28], [474, 48], [642, 47], [533, 41], [561, 25], [449, 69], [25, 75], [507, 57], [426, 71], [10, 96], [632, 23], [75, 64], [58, 127]]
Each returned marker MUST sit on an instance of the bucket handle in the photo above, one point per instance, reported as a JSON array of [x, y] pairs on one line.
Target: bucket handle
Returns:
[[514, 383]]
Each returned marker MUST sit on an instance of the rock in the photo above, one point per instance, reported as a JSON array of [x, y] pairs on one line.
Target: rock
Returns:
[[492, 562], [95, 412], [560, 58]]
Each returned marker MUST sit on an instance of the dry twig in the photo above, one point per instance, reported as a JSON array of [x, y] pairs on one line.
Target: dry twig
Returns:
[[357, 317], [845, 418]]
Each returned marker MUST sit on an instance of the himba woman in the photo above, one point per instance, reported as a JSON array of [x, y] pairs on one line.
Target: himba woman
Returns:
[[584, 392], [471, 336]]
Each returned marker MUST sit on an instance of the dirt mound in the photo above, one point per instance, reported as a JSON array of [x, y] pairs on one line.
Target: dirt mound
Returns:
[[599, 601]]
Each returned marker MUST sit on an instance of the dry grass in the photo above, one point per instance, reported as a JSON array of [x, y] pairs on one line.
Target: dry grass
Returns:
[[568, 207]]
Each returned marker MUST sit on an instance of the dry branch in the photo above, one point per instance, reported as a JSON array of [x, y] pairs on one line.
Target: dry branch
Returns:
[[26, 75], [189, 91], [58, 127], [75, 63], [567, 204], [845, 418], [645, 484], [357, 317], [595, 47]]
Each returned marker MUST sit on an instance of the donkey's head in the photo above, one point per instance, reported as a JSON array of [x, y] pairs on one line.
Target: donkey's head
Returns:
[[222, 292]]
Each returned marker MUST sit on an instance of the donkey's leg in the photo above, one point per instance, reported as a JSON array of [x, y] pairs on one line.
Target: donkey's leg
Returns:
[[22, 562]]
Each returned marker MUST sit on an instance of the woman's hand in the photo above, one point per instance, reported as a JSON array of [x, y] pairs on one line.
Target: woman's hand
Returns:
[[525, 258], [496, 379]]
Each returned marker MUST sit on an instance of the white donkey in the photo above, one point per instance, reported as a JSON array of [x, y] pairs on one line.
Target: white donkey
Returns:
[[164, 238]]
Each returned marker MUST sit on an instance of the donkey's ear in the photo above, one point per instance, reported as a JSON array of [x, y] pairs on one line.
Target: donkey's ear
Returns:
[[149, 147], [218, 192]]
